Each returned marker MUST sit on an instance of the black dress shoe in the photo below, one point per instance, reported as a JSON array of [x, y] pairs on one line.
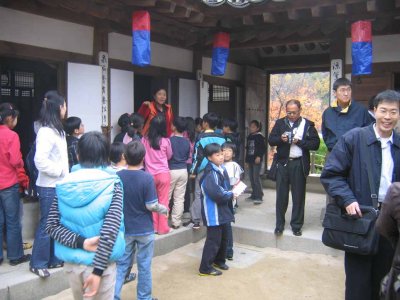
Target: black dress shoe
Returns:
[[278, 232], [223, 267], [297, 232], [22, 259]]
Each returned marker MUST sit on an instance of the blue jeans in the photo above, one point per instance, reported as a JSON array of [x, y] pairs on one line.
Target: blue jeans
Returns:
[[43, 246], [145, 247], [9, 215]]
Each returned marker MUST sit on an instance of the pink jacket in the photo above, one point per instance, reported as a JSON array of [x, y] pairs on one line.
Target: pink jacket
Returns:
[[156, 161]]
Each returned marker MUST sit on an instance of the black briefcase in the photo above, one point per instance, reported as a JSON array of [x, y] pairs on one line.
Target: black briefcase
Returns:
[[349, 233]]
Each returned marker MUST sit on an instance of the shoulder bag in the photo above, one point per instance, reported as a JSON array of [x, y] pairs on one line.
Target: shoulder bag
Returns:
[[352, 233], [274, 169]]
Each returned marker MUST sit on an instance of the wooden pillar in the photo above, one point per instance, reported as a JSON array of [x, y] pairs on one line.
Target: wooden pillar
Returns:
[[100, 57], [198, 72]]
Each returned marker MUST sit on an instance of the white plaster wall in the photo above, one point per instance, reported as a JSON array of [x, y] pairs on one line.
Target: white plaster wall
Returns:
[[120, 47], [121, 96], [233, 71], [204, 86], [385, 48], [24, 28], [188, 100]]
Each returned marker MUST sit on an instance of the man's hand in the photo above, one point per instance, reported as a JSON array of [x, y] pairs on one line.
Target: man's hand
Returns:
[[354, 209], [192, 176], [92, 283], [91, 244], [257, 161], [284, 138]]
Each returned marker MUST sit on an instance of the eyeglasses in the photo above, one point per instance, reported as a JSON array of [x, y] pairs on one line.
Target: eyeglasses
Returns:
[[344, 90], [292, 113]]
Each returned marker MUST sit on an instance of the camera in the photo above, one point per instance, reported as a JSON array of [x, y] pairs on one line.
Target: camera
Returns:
[[289, 136]]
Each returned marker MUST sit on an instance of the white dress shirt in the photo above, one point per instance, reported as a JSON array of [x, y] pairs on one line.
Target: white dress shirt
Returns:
[[387, 165]]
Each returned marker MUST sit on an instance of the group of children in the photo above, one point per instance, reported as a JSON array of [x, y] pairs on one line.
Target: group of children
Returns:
[[105, 214]]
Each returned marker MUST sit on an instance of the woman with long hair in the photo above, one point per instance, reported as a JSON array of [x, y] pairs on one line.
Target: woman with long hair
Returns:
[[158, 106], [51, 160], [12, 177], [158, 152]]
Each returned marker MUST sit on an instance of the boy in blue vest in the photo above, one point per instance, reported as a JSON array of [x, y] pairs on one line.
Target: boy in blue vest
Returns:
[[140, 200], [86, 221], [217, 216]]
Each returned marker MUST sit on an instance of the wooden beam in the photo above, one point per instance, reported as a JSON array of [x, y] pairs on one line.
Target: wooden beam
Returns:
[[329, 27], [144, 3], [165, 7], [244, 37], [266, 34], [308, 29], [196, 18], [268, 17], [182, 12]]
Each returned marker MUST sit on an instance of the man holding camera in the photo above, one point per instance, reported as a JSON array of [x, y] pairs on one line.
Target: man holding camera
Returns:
[[294, 137]]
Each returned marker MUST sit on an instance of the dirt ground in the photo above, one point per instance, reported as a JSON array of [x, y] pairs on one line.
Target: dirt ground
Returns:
[[255, 273]]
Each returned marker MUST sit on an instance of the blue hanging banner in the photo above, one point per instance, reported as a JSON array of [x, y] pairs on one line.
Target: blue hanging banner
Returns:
[[361, 47], [220, 53], [141, 49]]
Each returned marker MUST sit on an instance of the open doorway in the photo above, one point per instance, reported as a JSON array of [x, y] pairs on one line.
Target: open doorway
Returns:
[[24, 83], [312, 90], [141, 90]]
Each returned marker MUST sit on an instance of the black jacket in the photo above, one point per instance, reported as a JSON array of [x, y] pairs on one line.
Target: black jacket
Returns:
[[255, 147], [345, 176], [309, 141]]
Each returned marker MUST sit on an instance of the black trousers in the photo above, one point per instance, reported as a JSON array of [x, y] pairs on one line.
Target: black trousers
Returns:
[[365, 272], [214, 250], [292, 176]]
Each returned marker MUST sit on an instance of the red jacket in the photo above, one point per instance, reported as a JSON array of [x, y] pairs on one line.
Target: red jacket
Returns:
[[149, 113], [10, 157]]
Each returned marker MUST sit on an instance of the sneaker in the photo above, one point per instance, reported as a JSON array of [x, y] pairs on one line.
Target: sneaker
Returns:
[[186, 223], [22, 259], [26, 245], [257, 201], [196, 226], [42, 273], [175, 227], [223, 267], [278, 232], [213, 272]]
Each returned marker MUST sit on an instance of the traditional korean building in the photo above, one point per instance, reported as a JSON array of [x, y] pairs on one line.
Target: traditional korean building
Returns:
[[83, 48]]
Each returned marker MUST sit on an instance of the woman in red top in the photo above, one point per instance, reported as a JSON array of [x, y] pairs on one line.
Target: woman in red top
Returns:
[[158, 106], [11, 173]]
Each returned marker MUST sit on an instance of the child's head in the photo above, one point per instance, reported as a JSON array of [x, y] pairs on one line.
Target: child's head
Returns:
[[8, 115], [199, 124], [229, 150], [210, 121], [136, 124], [179, 125], [157, 130], [214, 154], [93, 150], [53, 111], [255, 126], [74, 126], [134, 153], [117, 150], [229, 125], [124, 121]]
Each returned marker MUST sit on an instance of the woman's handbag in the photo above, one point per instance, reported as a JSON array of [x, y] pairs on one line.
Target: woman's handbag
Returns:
[[352, 233], [274, 169]]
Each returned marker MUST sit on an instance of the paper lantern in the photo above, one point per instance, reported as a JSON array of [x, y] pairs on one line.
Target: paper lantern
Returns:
[[220, 53], [361, 48], [141, 49]]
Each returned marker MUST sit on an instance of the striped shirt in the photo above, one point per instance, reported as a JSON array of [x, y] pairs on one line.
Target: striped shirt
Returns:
[[108, 232]]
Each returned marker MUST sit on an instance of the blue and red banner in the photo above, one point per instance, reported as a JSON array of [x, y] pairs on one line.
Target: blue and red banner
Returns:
[[220, 53], [141, 50], [361, 47]]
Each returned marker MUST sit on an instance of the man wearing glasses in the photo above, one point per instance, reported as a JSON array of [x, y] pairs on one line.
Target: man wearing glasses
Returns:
[[343, 114], [294, 137]]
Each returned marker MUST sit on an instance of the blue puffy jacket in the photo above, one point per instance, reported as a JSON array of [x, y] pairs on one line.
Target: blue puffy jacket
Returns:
[[84, 197]]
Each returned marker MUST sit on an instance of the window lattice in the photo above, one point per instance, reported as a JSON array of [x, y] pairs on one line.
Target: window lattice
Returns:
[[219, 93]]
